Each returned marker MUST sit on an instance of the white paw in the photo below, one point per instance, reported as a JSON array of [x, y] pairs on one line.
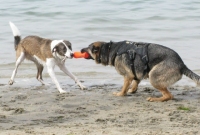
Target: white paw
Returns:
[[62, 91], [82, 87], [10, 82]]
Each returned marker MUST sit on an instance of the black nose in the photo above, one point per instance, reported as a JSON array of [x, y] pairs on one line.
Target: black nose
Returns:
[[83, 50], [72, 55]]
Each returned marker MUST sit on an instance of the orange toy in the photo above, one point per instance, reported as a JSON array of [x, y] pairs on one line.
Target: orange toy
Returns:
[[81, 55]]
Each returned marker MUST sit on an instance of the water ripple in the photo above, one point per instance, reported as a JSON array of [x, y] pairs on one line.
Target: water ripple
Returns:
[[172, 23]]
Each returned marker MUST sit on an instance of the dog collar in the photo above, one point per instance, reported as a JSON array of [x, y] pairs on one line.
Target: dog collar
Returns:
[[108, 52], [99, 60]]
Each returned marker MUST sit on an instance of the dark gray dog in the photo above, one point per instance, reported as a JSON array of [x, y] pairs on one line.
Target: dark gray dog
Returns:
[[137, 61]]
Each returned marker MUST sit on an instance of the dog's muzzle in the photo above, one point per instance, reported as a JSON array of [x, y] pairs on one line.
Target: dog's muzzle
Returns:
[[83, 50], [72, 55], [86, 50]]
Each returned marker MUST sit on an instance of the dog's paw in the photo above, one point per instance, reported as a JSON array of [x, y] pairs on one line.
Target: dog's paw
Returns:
[[132, 91], [62, 91], [11, 82], [150, 99], [119, 94], [160, 99], [83, 87], [40, 80]]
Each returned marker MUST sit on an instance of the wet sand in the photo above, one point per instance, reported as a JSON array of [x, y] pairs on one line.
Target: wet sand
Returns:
[[29, 108], [40, 110]]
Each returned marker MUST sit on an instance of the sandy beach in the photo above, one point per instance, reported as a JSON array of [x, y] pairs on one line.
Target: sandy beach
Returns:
[[28, 108], [95, 111]]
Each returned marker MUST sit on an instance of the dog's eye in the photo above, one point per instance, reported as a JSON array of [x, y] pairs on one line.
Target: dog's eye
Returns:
[[95, 49], [70, 47], [65, 49]]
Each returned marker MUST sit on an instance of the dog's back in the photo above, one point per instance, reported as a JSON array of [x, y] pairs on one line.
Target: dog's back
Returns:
[[31, 45], [36, 46], [158, 53]]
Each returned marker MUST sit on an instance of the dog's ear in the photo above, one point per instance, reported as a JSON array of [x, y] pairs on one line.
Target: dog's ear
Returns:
[[68, 44], [109, 43]]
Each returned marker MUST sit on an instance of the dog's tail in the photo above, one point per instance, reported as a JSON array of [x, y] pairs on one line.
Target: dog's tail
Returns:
[[16, 33], [192, 75]]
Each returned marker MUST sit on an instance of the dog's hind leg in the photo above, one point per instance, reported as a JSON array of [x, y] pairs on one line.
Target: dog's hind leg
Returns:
[[18, 62], [161, 77], [166, 95], [134, 86], [39, 66], [39, 73], [123, 92]]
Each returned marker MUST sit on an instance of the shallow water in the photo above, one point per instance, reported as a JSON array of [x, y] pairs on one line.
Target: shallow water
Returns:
[[174, 24]]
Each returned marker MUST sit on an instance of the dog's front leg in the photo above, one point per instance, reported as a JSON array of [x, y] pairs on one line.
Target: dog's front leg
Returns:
[[123, 92], [50, 67], [134, 87], [66, 71]]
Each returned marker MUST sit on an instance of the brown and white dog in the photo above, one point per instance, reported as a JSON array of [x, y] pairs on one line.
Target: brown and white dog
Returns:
[[43, 52]]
